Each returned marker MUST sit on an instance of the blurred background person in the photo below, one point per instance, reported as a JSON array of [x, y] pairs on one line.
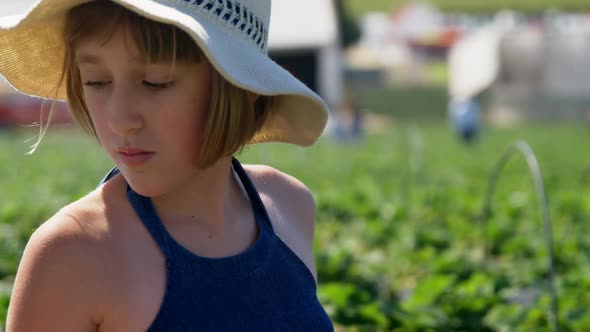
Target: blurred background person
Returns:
[[465, 118]]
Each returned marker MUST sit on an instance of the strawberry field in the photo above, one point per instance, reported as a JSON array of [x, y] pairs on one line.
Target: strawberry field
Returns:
[[400, 240]]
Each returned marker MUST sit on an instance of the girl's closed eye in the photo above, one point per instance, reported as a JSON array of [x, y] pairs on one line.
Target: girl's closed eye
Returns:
[[151, 85], [97, 84], [158, 85]]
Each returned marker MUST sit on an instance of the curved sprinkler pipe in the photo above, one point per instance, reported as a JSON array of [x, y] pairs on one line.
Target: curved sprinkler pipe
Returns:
[[535, 171]]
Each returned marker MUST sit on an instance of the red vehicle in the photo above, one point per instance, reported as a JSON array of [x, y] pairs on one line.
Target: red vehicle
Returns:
[[17, 110]]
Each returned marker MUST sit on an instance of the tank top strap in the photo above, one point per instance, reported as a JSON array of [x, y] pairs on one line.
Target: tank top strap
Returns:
[[149, 217], [259, 210], [114, 171]]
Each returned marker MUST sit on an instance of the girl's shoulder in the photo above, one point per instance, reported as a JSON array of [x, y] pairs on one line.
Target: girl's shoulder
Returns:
[[270, 179], [284, 191], [61, 269], [81, 223], [95, 213], [291, 208], [81, 227]]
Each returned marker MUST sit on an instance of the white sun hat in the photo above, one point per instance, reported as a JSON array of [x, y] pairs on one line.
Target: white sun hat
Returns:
[[232, 34]]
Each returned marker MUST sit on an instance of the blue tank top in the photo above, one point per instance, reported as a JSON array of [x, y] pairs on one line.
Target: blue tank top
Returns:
[[265, 288]]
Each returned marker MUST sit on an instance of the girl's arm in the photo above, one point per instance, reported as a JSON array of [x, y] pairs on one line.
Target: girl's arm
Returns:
[[54, 290]]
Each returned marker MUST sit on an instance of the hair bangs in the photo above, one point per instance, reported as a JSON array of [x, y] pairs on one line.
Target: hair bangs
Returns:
[[157, 42]]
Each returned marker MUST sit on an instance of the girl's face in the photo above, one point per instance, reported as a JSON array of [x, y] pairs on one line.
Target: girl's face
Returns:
[[148, 117]]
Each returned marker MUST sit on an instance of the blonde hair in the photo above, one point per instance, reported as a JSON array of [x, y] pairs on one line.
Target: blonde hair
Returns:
[[235, 114]]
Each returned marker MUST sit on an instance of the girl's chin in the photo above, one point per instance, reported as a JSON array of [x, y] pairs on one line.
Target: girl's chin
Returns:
[[142, 185]]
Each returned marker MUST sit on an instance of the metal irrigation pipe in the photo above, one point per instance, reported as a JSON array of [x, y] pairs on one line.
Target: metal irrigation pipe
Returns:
[[535, 171]]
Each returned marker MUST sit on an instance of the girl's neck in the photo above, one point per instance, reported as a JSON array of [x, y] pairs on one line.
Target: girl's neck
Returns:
[[213, 199]]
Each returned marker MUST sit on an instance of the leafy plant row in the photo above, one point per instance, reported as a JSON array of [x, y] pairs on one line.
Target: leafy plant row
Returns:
[[399, 239]]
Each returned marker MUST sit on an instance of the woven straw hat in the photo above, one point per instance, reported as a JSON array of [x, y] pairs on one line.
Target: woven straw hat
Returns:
[[233, 34]]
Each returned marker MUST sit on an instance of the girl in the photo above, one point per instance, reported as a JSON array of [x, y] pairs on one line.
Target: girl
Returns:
[[180, 237]]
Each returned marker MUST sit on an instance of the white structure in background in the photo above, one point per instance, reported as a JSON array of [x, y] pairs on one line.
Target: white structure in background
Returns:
[[387, 38], [417, 20], [533, 69], [378, 47], [310, 27], [474, 63], [375, 29]]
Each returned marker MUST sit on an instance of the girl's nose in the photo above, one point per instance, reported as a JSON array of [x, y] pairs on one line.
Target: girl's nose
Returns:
[[124, 117]]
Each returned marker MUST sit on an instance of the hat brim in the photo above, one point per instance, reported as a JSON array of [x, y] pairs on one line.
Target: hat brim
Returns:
[[32, 52]]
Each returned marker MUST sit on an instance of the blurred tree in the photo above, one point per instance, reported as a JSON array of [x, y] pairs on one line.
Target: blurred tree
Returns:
[[360, 7], [348, 26]]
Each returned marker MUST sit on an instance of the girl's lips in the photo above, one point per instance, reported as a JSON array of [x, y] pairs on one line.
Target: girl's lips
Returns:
[[134, 157]]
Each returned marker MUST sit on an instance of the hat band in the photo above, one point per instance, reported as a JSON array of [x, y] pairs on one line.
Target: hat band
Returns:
[[235, 16]]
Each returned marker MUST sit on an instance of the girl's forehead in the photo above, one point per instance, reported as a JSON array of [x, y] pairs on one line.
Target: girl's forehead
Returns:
[[104, 42]]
